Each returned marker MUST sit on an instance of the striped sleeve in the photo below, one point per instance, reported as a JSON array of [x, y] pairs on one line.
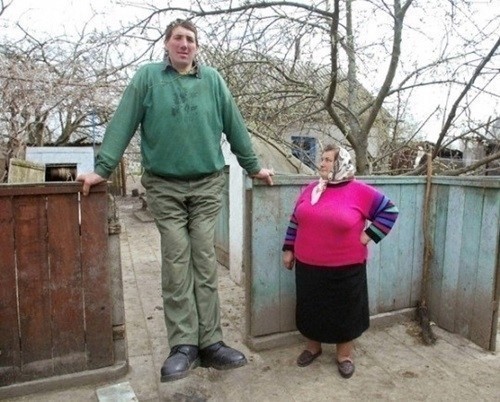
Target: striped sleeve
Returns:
[[291, 233], [383, 214]]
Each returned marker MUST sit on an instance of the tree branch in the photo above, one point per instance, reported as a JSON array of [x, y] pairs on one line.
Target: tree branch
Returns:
[[454, 108], [474, 166]]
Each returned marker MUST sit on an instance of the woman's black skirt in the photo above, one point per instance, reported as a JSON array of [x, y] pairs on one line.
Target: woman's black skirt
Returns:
[[332, 303]]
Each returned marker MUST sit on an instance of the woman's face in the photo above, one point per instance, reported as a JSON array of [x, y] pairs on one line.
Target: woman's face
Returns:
[[326, 165]]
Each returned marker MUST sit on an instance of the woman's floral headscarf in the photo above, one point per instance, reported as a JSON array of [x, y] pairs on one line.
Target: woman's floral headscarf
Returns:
[[343, 170]]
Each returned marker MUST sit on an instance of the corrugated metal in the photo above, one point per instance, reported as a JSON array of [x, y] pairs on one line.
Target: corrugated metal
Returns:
[[462, 297]]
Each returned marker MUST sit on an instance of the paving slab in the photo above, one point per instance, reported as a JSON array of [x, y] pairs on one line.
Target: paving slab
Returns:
[[121, 392]]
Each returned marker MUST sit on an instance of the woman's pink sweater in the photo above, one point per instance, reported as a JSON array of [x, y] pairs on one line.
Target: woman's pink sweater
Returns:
[[328, 232]]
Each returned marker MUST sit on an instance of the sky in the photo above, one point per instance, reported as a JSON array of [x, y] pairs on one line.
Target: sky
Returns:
[[61, 16], [56, 17]]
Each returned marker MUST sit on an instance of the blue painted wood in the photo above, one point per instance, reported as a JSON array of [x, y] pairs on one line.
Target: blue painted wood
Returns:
[[469, 254], [265, 267], [390, 267], [485, 310], [464, 226], [451, 257], [401, 239], [415, 255], [373, 277], [438, 218], [273, 286], [287, 278]]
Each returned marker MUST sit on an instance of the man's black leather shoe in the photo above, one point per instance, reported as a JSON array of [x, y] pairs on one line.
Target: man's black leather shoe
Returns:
[[181, 359], [221, 357]]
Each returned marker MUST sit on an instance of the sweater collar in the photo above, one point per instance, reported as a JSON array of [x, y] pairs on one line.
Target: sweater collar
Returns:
[[196, 70]]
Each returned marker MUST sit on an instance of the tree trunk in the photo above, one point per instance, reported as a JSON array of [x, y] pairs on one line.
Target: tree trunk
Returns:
[[362, 162]]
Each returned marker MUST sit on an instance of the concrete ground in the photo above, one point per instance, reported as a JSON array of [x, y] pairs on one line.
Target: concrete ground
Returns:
[[391, 363]]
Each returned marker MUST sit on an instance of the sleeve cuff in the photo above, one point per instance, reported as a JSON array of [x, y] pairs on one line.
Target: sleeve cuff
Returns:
[[372, 235], [102, 172]]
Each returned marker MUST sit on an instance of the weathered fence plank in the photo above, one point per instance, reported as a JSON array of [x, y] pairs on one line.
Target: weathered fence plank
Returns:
[[33, 286], [484, 318], [437, 228], [417, 255], [10, 352], [96, 281], [390, 268], [267, 292], [467, 277], [373, 276], [66, 291], [405, 247], [451, 259], [286, 278]]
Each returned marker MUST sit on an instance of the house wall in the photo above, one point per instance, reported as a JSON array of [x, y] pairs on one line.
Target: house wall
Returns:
[[327, 133], [237, 179], [82, 156]]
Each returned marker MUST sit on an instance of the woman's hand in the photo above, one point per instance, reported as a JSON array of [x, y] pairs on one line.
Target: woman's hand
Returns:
[[288, 259], [364, 239]]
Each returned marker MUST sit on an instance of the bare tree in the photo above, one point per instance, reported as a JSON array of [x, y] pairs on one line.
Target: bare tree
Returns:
[[346, 69], [59, 90], [347, 64], [4, 5]]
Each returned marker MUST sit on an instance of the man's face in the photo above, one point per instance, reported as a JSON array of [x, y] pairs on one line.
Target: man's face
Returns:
[[181, 48]]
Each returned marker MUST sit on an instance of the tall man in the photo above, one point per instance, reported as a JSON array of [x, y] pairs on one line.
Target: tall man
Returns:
[[182, 109]]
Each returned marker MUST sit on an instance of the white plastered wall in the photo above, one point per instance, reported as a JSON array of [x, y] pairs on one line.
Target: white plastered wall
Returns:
[[237, 178]]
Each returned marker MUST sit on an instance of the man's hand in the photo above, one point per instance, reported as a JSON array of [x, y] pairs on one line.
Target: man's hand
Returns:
[[265, 175], [89, 180]]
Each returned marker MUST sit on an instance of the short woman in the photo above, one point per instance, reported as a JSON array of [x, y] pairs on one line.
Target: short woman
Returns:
[[333, 221]]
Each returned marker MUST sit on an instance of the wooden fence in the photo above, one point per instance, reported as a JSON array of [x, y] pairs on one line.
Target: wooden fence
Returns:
[[464, 280], [55, 282]]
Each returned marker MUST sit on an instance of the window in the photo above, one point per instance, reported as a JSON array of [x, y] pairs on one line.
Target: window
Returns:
[[304, 148]]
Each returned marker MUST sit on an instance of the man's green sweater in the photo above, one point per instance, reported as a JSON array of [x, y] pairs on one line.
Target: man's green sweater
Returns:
[[181, 119]]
